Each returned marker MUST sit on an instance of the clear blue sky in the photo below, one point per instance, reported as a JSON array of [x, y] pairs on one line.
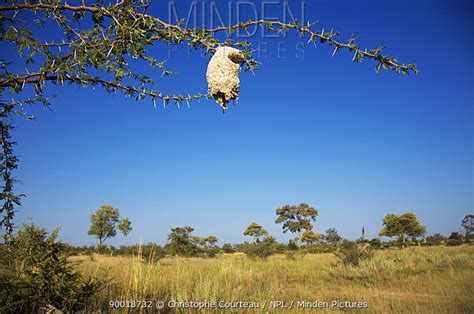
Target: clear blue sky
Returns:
[[352, 143]]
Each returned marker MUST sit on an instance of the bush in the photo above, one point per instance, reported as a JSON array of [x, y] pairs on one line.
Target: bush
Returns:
[[435, 239], [211, 251], [40, 276], [351, 253], [292, 245], [454, 242], [152, 252], [376, 243], [319, 248], [228, 248], [260, 249]]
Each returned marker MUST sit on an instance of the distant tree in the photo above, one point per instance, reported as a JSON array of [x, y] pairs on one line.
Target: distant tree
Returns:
[[296, 218], [435, 239], [310, 237], [353, 254], [197, 241], [149, 251], [206, 245], [332, 237], [376, 243], [455, 236], [105, 222], [210, 241], [468, 224], [182, 242], [261, 249], [125, 226], [228, 248], [292, 246], [402, 226], [256, 231]]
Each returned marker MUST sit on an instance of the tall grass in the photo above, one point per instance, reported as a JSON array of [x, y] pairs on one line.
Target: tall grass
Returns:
[[425, 280]]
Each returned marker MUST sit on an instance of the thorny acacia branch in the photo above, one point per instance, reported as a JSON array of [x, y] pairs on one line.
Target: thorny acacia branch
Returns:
[[100, 55]]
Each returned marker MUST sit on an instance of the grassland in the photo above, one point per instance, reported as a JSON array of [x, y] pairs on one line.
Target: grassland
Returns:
[[414, 280]]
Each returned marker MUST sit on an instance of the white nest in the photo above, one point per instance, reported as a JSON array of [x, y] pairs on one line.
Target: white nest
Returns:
[[223, 75]]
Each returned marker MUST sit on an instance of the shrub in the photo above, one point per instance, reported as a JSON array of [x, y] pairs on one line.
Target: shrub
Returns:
[[376, 243], [292, 245], [152, 252], [260, 249], [435, 239], [351, 253], [211, 251], [319, 248], [40, 275], [228, 248], [454, 242]]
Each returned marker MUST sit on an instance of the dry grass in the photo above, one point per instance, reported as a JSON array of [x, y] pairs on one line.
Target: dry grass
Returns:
[[420, 280]]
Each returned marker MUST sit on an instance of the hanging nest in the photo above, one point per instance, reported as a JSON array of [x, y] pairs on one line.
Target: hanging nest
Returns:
[[223, 75]]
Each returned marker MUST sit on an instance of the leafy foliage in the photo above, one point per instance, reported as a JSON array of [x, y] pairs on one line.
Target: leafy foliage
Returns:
[[42, 276], [262, 249], [468, 224], [228, 248], [182, 242], [376, 243], [297, 218], [310, 237], [125, 226], [402, 226], [332, 237], [8, 163], [256, 231], [105, 222], [352, 253]]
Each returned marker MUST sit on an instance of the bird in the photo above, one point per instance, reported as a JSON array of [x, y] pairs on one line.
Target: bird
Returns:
[[223, 73]]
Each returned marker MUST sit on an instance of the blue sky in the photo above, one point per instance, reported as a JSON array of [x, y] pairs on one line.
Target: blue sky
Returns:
[[323, 130]]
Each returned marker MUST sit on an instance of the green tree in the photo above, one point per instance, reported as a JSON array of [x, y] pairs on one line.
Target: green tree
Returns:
[[256, 231], [296, 218], [310, 237], [209, 245], [105, 222], [352, 253], [228, 248], [210, 241], [181, 241], [402, 226], [99, 44], [332, 237], [468, 225], [125, 226]]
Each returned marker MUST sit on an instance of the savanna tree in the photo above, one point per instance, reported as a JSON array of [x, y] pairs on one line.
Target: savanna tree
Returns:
[[256, 231], [402, 226], [182, 242], [296, 218], [106, 221], [210, 241], [98, 44], [209, 245], [332, 237], [310, 237], [468, 225]]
